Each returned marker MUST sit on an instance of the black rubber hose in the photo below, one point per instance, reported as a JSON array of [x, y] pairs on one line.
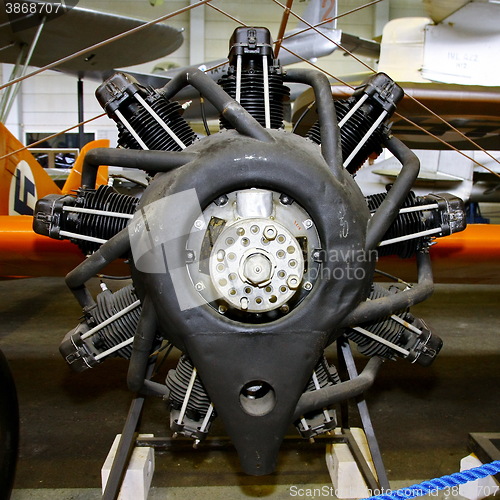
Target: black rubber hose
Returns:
[[389, 209], [330, 395], [154, 161], [114, 248], [330, 135], [385, 306], [9, 428], [144, 339], [230, 109]]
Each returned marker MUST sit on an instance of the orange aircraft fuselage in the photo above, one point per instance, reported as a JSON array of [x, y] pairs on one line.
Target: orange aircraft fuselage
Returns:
[[471, 256], [22, 181]]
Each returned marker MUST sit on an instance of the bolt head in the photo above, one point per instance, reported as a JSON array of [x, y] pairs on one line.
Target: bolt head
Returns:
[[257, 269], [293, 281], [308, 223], [270, 232]]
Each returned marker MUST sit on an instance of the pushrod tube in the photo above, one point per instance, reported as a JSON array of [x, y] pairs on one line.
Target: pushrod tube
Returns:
[[113, 249], [330, 136], [389, 208], [330, 395], [144, 338], [230, 109], [371, 310], [154, 161]]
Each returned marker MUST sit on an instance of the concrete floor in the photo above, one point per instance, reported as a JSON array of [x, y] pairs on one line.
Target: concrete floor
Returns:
[[422, 416]]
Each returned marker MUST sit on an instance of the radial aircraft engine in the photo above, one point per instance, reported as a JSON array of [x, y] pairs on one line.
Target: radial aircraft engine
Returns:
[[251, 250]]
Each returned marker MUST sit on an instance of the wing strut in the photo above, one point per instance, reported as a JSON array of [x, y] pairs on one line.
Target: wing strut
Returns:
[[12, 91]]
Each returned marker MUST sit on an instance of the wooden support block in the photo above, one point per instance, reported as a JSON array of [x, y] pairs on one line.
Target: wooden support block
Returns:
[[346, 477], [139, 474], [481, 488]]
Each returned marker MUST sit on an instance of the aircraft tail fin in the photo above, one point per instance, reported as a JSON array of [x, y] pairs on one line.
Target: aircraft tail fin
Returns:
[[318, 11], [22, 179]]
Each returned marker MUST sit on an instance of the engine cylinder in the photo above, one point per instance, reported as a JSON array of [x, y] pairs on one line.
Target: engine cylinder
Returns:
[[101, 226], [254, 79], [252, 95], [145, 119], [352, 133]]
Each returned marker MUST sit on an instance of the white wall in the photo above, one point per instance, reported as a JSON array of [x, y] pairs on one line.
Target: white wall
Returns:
[[48, 103]]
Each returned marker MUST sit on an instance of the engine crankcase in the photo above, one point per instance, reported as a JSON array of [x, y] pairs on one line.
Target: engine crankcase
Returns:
[[297, 235]]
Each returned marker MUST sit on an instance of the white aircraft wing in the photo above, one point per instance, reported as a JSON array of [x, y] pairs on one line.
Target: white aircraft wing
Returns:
[[459, 45], [462, 48], [474, 110], [441, 9]]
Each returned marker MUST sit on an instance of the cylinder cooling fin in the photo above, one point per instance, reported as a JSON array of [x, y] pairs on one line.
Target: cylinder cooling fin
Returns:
[[272, 258], [89, 218], [363, 120], [252, 94], [145, 119], [401, 335], [420, 219], [107, 330], [191, 411], [352, 132], [254, 78], [150, 131], [324, 420]]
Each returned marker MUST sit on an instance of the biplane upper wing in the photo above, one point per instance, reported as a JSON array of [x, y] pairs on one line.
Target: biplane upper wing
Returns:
[[63, 36]]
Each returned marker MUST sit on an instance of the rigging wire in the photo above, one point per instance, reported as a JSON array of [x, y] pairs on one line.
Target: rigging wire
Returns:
[[224, 13], [281, 32], [399, 115], [406, 94], [330, 19], [36, 143], [287, 37], [105, 42], [434, 136], [207, 2]]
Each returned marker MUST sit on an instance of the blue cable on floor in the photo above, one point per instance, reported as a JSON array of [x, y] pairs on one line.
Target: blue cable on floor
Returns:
[[441, 483]]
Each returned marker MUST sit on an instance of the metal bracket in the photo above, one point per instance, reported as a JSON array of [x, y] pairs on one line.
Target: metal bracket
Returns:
[[346, 364]]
